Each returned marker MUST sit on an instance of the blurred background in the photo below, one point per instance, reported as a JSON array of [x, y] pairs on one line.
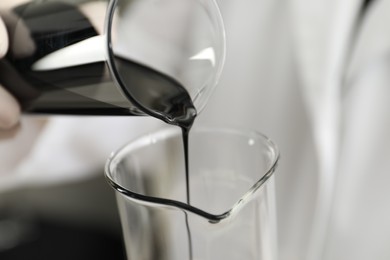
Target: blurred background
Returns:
[[310, 74]]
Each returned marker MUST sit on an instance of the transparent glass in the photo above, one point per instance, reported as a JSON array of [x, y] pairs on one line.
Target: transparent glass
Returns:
[[73, 56], [231, 214]]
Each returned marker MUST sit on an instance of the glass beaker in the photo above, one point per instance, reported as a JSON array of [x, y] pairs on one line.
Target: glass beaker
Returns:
[[114, 57], [231, 214]]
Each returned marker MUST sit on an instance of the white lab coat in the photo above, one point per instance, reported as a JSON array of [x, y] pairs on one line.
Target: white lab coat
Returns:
[[331, 130], [287, 75]]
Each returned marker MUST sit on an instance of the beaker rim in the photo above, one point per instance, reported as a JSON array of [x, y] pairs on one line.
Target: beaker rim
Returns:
[[163, 202]]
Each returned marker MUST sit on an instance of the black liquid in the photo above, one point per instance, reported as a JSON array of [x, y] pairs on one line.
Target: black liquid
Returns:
[[152, 92], [162, 97], [185, 133]]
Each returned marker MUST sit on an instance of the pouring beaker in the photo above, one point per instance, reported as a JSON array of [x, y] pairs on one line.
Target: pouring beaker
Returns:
[[110, 56], [231, 214]]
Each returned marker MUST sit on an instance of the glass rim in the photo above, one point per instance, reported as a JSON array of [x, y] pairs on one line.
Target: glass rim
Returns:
[[146, 139]]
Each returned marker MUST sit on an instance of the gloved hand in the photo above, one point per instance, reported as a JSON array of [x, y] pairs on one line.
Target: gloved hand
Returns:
[[9, 107]]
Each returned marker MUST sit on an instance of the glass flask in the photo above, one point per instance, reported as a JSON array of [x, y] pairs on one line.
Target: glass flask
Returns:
[[231, 210], [113, 57]]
